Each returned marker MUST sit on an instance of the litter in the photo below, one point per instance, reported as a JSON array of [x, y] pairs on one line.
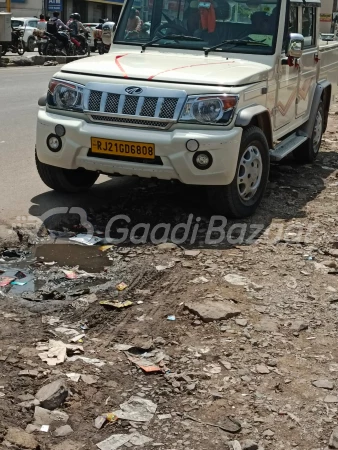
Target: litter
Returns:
[[118, 440], [93, 361], [121, 286], [86, 239], [56, 352], [66, 331], [171, 318], [147, 361], [104, 248], [100, 421], [20, 275], [70, 274], [44, 428], [74, 377], [18, 283], [136, 409], [5, 281], [78, 338], [164, 416], [117, 305], [111, 417]]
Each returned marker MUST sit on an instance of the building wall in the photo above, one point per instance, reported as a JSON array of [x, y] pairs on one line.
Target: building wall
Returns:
[[26, 8]]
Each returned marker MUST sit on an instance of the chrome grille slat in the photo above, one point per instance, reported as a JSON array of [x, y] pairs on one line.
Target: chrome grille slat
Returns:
[[153, 107]]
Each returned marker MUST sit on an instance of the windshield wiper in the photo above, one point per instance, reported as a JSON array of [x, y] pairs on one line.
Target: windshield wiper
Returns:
[[234, 42], [171, 37]]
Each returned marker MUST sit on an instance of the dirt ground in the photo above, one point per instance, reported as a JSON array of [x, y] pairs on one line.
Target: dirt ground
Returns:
[[262, 375]]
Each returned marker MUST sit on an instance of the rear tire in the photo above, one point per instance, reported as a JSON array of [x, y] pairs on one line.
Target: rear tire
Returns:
[[308, 152], [50, 50], [4, 50], [241, 198], [64, 180]]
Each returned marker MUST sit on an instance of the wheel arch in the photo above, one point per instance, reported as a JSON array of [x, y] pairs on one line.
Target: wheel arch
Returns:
[[258, 116], [322, 94]]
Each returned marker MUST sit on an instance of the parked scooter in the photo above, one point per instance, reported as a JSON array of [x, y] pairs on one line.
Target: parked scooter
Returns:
[[17, 45]]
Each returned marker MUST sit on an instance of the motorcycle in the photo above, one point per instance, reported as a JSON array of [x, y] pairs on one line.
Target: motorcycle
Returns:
[[16, 45], [81, 46], [100, 45], [56, 47]]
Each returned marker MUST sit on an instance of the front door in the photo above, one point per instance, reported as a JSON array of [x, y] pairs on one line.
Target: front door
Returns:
[[287, 83], [309, 64]]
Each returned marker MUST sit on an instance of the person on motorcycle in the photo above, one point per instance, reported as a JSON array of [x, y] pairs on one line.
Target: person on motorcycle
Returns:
[[42, 24], [101, 22], [71, 18], [75, 27], [53, 26]]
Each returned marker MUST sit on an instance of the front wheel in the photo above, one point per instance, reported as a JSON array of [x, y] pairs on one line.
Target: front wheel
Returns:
[[21, 48], [4, 50], [31, 44], [241, 198], [308, 152], [64, 180]]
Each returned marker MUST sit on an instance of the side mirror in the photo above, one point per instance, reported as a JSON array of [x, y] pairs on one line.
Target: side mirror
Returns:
[[295, 45]]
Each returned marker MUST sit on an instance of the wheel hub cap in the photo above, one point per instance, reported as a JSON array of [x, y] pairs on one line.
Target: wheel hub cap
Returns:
[[317, 131], [249, 173]]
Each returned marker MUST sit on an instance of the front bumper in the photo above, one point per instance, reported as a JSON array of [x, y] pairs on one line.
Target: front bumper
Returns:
[[170, 146]]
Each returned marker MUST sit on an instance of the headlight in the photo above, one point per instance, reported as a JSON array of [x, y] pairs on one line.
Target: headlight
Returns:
[[209, 109], [65, 95]]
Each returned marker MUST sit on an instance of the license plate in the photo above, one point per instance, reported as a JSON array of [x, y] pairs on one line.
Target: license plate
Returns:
[[123, 148]]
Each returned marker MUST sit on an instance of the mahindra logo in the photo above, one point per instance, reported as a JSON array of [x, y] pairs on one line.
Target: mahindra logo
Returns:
[[134, 90]]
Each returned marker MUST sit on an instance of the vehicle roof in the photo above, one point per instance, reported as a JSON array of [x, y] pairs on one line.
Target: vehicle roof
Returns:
[[25, 18]]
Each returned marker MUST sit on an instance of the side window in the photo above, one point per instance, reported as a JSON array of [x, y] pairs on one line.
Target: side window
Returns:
[[293, 19], [309, 26]]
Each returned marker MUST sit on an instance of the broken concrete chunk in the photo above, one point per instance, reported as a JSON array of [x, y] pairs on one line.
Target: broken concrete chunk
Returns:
[[262, 369], [331, 399], [21, 439], [64, 430], [46, 417], [52, 395], [333, 442], [210, 310], [29, 373], [323, 384], [89, 379]]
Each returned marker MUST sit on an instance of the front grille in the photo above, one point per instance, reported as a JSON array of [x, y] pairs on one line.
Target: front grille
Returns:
[[138, 110], [94, 100], [127, 121]]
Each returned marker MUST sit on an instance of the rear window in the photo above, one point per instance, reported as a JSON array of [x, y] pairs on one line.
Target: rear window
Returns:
[[17, 23]]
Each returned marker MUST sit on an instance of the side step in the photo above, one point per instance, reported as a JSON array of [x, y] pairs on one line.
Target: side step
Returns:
[[286, 146]]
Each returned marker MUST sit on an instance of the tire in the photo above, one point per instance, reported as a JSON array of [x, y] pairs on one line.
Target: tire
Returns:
[[87, 49], [232, 200], [308, 152], [30, 44], [21, 48], [50, 50], [4, 50], [101, 49], [63, 180]]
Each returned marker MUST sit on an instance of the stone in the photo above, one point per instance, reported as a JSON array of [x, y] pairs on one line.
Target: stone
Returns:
[[46, 417], [210, 310], [52, 395], [235, 445], [29, 373], [333, 442], [262, 369], [242, 322], [268, 433], [26, 397], [192, 253], [331, 399], [299, 325], [30, 428], [68, 445], [63, 431], [248, 444], [167, 246], [267, 325], [323, 384], [236, 280], [89, 379], [29, 404], [21, 439]]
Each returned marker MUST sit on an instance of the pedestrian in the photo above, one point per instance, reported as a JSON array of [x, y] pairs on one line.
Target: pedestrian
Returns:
[[42, 24]]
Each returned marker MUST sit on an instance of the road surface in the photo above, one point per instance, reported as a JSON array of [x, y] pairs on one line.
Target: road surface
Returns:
[[22, 192]]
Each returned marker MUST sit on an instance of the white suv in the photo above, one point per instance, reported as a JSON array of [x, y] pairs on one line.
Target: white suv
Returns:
[[29, 24]]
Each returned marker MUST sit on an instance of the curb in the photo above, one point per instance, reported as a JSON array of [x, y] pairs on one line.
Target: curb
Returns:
[[37, 60]]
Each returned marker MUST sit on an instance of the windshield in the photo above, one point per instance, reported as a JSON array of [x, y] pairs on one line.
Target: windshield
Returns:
[[214, 22], [17, 23]]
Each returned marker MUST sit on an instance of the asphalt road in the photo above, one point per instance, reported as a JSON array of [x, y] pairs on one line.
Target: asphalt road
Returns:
[[22, 193]]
